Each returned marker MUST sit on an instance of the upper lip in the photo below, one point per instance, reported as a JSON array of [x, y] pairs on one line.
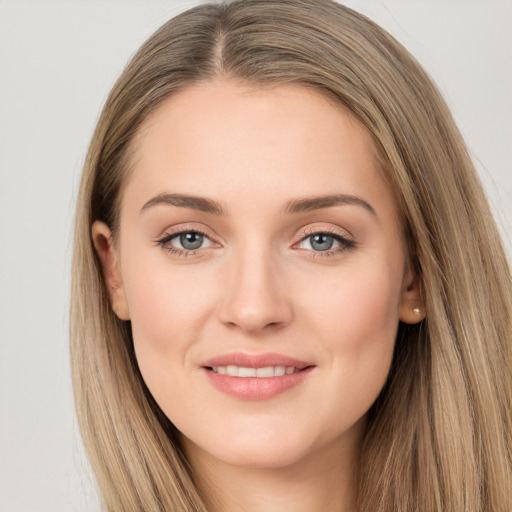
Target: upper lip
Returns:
[[255, 361]]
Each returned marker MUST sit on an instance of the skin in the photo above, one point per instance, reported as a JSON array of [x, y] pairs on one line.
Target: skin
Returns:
[[258, 285]]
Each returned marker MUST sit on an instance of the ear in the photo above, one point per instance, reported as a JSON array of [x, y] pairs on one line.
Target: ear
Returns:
[[412, 308], [104, 245]]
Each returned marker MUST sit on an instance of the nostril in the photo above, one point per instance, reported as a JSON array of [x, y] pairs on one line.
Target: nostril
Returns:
[[255, 305]]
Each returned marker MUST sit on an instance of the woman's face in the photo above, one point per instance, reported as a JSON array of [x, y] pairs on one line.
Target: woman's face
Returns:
[[261, 264]]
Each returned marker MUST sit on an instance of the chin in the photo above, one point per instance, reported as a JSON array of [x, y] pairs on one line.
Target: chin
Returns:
[[266, 458], [256, 449]]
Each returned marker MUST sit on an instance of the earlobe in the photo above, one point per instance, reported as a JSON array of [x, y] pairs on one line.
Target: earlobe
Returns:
[[412, 307], [104, 245]]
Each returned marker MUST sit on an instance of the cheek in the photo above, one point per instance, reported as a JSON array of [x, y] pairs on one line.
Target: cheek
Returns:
[[357, 308], [168, 309], [357, 320]]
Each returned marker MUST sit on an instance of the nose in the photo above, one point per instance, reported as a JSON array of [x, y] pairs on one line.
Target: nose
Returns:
[[255, 297]]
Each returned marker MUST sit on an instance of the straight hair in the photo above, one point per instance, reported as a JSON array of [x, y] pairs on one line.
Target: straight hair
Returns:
[[439, 436]]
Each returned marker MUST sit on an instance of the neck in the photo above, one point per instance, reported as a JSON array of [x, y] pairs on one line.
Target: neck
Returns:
[[320, 481]]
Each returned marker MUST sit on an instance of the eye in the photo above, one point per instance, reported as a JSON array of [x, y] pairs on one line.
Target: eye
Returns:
[[185, 241], [190, 241], [319, 242], [325, 242]]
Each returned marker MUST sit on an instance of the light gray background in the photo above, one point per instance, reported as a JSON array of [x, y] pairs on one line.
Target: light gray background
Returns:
[[58, 59]]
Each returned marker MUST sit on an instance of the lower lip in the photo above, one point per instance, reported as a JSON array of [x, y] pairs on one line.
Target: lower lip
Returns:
[[256, 388]]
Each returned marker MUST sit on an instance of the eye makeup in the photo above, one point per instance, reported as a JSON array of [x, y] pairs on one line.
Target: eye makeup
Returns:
[[321, 242], [188, 241]]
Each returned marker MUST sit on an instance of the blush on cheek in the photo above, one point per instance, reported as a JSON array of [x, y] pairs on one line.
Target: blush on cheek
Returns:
[[168, 317], [358, 310]]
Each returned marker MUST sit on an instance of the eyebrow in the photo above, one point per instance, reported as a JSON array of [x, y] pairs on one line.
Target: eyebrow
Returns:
[[307, 204], [318, 202], [201, 204]]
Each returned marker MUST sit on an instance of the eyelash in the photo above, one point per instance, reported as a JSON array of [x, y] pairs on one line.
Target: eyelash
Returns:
[[164, 242], [346, 244]]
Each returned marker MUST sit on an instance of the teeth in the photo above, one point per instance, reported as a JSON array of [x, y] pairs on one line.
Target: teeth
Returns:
[[280, 370], [267, 371], [246, 372], [232, 371]]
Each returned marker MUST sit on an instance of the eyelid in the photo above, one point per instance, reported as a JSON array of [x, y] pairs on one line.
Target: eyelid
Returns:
[[327, 229], [186, 228], [170, 233], [346, 240]]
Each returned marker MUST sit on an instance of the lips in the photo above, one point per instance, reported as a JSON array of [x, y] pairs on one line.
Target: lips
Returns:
[[261, 372], [255, 377]]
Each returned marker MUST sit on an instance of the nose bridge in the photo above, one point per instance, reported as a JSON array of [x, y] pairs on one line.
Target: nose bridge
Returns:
[[255, 297]]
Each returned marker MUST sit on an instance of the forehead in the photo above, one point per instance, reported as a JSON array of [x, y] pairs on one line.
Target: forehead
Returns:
[[221, 137]]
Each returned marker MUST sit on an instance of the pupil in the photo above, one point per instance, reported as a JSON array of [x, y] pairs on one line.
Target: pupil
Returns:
[[321, 242], [191, 241]]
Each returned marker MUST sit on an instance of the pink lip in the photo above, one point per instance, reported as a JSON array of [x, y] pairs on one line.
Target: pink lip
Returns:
[[256, 388], [255, 360]]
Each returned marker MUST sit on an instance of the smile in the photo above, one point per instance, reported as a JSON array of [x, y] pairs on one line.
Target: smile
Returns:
[[264, 372], [256, 376]]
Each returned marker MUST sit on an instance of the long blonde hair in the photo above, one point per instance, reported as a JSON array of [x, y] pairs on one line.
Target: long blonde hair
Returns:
[[440, 434]]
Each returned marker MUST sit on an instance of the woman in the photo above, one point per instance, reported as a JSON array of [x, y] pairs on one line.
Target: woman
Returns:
[[289, 292]]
